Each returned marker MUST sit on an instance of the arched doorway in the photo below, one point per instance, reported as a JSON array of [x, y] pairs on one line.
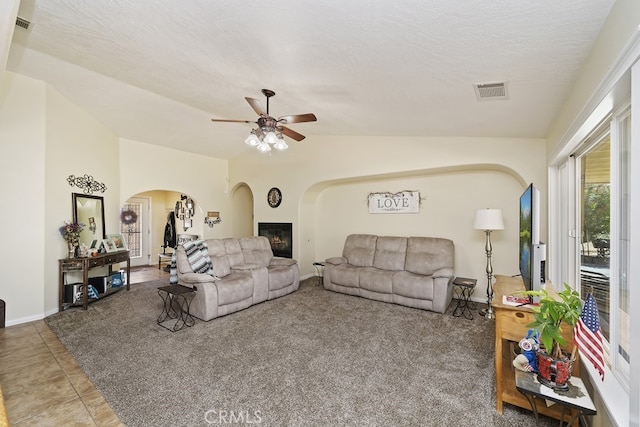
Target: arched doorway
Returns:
[[145, 237]]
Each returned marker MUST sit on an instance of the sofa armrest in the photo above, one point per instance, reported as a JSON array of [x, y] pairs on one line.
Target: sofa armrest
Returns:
[[195, 278], [443, 272], [336, 260], [245, 267], [282, 261]]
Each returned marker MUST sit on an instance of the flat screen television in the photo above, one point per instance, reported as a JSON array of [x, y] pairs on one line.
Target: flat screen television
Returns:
[[532, 251]]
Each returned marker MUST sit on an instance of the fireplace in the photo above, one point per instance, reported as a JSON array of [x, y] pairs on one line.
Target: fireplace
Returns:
[[280, 236]]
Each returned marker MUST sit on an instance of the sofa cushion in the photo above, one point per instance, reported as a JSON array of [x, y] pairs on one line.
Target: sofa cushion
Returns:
[[235, 287], [344, 275], [280, 277], [373, 279], [219, 258], [390, 253], [425, 255], [359, 249], [256, 250], [233, 250], [412, 285]]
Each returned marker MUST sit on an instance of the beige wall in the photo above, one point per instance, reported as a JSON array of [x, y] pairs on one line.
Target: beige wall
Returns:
[[325, 182], [146, 167], [76, 144], [46, 138], [22, 138], [449, 201]]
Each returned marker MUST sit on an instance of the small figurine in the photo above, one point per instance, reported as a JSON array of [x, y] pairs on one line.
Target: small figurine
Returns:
[[526, 360]]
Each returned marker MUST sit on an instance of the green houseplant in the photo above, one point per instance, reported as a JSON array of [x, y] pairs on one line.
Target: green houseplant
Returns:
[[555, 365]]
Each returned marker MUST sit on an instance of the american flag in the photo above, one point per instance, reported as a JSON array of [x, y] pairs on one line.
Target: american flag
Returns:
[[588, 336]]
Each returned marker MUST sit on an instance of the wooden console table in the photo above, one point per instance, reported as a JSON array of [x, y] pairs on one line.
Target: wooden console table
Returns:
[[511, 327], [83, 265]]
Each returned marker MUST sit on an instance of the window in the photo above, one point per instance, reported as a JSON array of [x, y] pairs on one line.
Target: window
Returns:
[[603, 218], [595, 226], [130, 226]]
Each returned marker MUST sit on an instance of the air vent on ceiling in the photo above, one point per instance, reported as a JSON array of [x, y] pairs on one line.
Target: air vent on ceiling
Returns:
[[496, 90], [22, 23]]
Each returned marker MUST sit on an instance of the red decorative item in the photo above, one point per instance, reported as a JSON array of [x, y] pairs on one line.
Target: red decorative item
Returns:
[[554, 373]]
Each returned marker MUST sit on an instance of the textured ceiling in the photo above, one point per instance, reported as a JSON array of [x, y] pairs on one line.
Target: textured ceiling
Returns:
[[157, 70]]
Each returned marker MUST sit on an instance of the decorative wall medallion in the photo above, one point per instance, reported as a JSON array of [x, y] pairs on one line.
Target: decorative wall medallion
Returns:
[[274, 197], [87, 183]]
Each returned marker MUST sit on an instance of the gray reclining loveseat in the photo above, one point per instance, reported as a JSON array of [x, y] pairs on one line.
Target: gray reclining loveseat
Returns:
[[245, 272]]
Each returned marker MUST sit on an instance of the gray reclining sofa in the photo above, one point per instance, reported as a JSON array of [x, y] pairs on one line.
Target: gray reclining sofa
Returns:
[[411, 271]]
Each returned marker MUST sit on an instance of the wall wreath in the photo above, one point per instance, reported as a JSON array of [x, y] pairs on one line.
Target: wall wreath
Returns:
[[128, 217]]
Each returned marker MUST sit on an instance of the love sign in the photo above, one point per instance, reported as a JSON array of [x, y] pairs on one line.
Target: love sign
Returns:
[[401, 202]]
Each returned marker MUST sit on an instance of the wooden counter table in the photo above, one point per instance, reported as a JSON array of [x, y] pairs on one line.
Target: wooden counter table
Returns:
[[511, 327]]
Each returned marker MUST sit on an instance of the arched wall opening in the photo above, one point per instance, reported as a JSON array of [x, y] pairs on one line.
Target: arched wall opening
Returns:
[[241, 198], [450, 196], [236, 221], [156, 205]]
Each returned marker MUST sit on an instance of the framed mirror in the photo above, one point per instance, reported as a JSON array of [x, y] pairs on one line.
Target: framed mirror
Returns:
[[89, 210]]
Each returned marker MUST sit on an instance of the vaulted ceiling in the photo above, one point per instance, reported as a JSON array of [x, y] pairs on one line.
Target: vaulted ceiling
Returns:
[[157, 71]]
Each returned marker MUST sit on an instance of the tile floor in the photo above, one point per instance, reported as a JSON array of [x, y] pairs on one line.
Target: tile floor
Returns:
[[41, 382]]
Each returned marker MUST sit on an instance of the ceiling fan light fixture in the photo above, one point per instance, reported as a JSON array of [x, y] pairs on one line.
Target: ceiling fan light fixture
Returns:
[[280, 145], [252, 139], [263, 147], [269, 130], [270, 138]]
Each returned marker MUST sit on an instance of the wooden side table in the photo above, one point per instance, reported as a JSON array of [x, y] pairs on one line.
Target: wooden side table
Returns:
[[511, 327], [82, 266], [576, 397]]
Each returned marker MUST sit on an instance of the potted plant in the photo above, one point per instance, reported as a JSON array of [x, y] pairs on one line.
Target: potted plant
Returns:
[[554, 364]]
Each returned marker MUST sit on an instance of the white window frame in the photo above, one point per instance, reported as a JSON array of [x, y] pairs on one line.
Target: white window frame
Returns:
[[622, 407], [619, 367]]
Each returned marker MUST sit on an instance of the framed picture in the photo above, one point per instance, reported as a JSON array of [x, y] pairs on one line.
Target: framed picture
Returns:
[[118, 240], [94, 245], [109, 245]]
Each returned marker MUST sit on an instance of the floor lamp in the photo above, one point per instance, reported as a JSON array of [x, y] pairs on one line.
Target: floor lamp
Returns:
[[488, 220]]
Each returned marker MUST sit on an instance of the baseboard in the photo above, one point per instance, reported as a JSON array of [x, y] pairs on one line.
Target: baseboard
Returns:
[[27, 319]]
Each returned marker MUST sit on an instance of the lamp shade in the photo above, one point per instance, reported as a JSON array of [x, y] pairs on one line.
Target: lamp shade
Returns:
[[488, 219]]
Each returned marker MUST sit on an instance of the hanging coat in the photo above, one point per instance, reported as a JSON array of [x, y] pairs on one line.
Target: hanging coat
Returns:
[[170, 231]]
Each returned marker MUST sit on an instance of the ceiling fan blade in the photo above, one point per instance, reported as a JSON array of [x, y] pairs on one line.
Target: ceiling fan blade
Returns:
[[232, 121], [291, 133], [257, 106], [298, 118]]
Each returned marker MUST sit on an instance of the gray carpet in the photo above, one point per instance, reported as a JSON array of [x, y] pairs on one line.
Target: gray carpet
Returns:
[[312, 358]]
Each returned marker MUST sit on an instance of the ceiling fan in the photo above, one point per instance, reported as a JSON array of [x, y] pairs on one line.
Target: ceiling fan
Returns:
[[270, 129]]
